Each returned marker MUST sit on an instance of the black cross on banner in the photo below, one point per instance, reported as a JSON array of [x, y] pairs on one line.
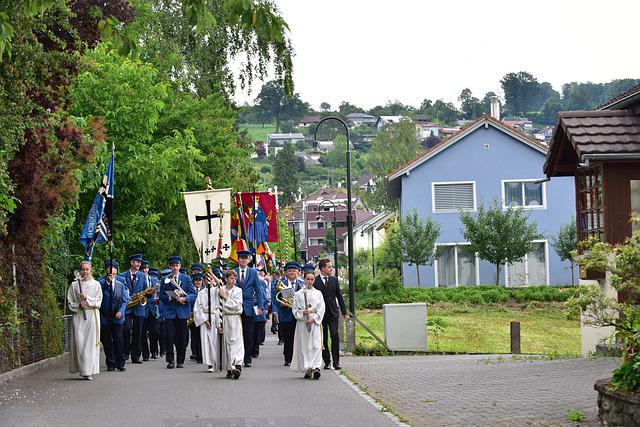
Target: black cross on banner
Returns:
[[209, 216]]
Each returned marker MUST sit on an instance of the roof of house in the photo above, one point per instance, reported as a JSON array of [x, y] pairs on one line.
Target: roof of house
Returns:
[[376, 221], [623, 99], [447, 142], [580, 133], [359, 116], [285, 136], [339, 193], [311, 119], [363, 180]]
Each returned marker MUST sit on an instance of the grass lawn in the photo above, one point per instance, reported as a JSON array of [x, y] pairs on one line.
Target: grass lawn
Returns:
[[544, 329], [257, 132]]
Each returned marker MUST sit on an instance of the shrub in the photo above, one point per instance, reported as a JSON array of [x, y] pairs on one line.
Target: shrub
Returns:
[[265, 169], [388, 279]]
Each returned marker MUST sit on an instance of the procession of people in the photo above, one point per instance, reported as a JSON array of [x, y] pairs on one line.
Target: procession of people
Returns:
[[143, 313]]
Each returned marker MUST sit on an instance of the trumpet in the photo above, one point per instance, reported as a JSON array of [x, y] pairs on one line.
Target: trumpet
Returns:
[[141, 297], [284, 294]]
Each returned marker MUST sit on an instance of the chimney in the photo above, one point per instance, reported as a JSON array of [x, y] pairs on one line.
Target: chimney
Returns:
[[495, 107]]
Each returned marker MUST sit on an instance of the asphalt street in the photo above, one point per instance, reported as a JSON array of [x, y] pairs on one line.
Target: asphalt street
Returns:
[[266, 394]]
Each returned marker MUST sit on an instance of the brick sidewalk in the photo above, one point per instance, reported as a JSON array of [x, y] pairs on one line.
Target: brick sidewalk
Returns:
[[476, 390]]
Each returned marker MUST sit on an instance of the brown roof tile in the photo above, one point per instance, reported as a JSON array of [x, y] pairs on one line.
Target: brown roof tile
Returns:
[[599, 132]]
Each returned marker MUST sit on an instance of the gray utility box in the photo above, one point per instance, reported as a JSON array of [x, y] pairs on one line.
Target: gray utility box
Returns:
[[405, 326]]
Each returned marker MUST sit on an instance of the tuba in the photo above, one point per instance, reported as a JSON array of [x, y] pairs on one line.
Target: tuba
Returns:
[[284, 294], [141, 297]]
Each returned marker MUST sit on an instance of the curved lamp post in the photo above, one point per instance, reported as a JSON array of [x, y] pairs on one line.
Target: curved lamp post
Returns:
[[335, 237], [351, 326]]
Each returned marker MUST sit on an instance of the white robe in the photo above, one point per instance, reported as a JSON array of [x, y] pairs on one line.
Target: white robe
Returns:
[[85, 345], [208, 337], [233, 348], [307, 344]]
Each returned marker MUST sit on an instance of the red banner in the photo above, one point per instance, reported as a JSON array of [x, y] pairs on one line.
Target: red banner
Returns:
[[263, 225]]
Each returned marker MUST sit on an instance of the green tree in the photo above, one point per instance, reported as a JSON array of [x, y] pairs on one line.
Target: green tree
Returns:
[[418, 240], [285, 174], [393, 146], [336, 158], [273, 104], [500, 236], [486, 102], [470, 105], [389, 253], [566, 242], [329, 246], [521, 91], [325, 106]]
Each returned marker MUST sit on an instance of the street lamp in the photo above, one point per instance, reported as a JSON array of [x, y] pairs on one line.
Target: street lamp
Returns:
[[335, 237], [351, 327]]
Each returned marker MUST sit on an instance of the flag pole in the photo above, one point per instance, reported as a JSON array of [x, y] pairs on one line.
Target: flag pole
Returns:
[[113, 155], [255, 249]]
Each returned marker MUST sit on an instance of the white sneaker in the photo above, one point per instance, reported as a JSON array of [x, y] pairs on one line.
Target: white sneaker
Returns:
[[210, 369]]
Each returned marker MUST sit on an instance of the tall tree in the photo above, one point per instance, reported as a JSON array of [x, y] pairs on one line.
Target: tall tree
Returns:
[[325, 106], [393, 146], [418, 240], [521, 91], [470, 105], [499, 236], [285, 174], [273, 103], [565, 243]]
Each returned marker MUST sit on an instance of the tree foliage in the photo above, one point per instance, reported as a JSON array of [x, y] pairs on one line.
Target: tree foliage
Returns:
[[393, 146], [273, 104], [285, 174], [500, 236], [566, 243], [418, 240]]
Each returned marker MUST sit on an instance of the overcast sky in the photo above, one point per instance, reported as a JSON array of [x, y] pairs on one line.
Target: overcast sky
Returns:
[[368, 52]]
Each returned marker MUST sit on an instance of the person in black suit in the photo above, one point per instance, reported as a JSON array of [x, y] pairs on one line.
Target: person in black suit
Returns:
[[248, 281], [328, 285]]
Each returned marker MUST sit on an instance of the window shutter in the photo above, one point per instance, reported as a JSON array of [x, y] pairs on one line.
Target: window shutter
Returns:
[[449, 197]]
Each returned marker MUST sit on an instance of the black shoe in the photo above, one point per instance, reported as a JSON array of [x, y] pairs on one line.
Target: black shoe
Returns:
[[280, 342], [111, 369], [307, 375], [247, 365], [171, 365], [137, 362], [274, 330], [287, 364], [145, 359], [316, 374], [229, 374], [154, 356], [193, 357], [327, 365], [179, 365], [255, 355], [161, 354], [126, 357], [236, 373], [337, 367], [122, 369]]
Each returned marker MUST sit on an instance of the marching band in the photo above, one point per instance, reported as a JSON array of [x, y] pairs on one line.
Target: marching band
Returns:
[[144, 313]]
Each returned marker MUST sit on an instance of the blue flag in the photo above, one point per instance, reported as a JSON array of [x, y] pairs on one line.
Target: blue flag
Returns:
[[97, 228]]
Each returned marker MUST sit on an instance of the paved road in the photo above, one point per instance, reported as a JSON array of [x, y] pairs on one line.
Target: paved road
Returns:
[[482, 390], [151, 395]]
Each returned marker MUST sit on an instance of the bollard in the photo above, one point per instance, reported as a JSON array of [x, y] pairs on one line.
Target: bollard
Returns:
[[515, 337], [351, 335]]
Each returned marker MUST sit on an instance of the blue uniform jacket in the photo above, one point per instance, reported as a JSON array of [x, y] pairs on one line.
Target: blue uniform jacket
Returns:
[[138, 285], [250, 291], [111, 304], [172, 309], [151, 308], [265, 306], [284, 313]]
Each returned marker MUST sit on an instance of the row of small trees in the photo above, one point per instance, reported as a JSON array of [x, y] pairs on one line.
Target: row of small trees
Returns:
[[499, 236]]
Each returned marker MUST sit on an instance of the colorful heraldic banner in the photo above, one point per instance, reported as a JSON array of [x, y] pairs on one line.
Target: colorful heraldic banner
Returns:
[[209, 213], [262, 225]]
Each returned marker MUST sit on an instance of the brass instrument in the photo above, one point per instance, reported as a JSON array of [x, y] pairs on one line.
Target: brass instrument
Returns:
[[141, 297], [284, 294], [190, 320]]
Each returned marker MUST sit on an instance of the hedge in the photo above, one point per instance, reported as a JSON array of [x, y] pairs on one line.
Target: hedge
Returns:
[[472, 295]]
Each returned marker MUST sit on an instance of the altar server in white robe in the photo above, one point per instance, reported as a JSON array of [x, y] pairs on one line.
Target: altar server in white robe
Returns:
[[84, 298], [308, 309], [231, 308], [207, 316]]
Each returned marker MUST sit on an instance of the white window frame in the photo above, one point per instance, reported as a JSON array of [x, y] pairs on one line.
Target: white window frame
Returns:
[[533, 208], [433, 197], [455, 260], [526, 265]]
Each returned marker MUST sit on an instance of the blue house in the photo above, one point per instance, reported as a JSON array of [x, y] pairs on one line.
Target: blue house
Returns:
[[487, 160]]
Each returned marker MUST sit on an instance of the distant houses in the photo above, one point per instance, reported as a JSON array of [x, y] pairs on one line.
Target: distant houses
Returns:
[[487, 160], [275, 141]]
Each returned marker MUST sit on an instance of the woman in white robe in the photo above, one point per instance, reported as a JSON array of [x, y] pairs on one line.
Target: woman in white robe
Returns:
[[308, 309], [231, 308], [85, 345], [208, 328]]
